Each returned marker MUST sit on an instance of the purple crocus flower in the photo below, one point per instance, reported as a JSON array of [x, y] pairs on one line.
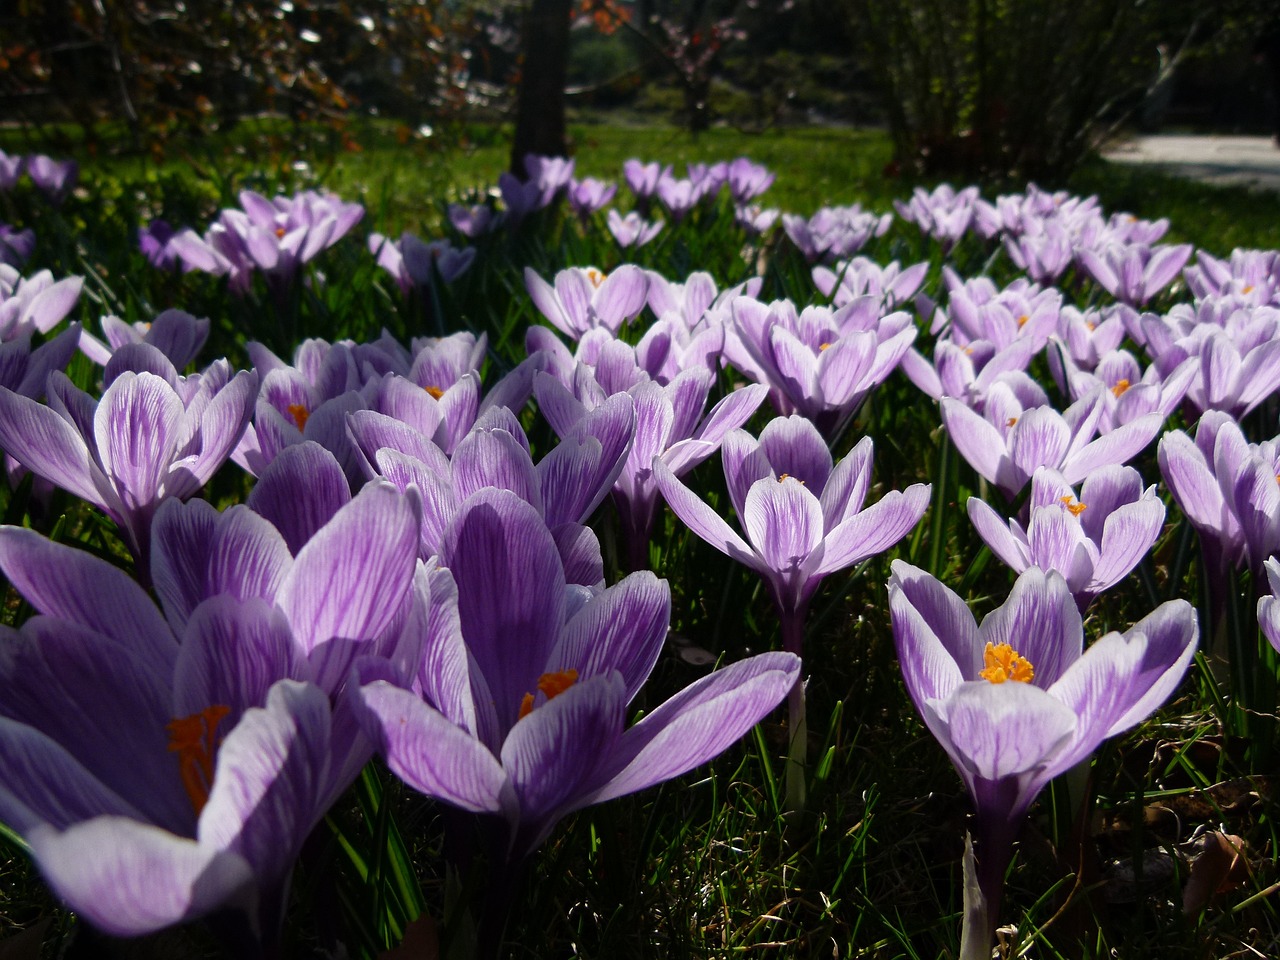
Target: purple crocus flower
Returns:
[[274, 236], [11, 168], [16, 246], [945, 214], [643, 178], [819, 362], [835, 233], [175, 333], [173, 769], [679, 195], [55, 178], [1043, 254], [153, 241], [551, 174], [748, 179], [804, 518], [34, 304], [414, 263], [584, 297], [152, 436], [472, 221], [1005, 443], [1269, 605], [1092, 540], [754, 219], [520, 706], [1129, 391], [1227, 488], [589, 195], [971, 372], [848, 280], [1134, 273], [1017, 701], [632, 230]]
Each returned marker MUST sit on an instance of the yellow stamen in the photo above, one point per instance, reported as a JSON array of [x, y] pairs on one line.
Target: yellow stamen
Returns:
[[1011, 421], [823, 346], [1001, 663], [435, 392], [1022, 320], [1076, 508], [596, 277], [787, 476], [1091, 325], [300, 414], [552, 685], [279, 233], [1247, 289], [1121, 386], [192, 739]]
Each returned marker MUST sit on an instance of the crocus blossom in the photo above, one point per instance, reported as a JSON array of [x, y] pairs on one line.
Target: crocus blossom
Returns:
[[584, 297], [152, 436], [1093, 540], [1018, 700], [520, 706], [1269, 605]]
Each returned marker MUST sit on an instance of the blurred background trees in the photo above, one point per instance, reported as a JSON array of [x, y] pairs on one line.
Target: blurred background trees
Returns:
[[966, 88]]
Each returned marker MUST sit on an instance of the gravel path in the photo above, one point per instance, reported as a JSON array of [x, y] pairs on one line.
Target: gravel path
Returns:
[[1222, 160]]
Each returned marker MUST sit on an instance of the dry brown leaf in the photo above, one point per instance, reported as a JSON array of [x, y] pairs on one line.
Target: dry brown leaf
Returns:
[[1220, 867]]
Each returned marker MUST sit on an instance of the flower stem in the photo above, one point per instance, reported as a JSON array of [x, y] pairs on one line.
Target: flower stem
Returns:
[[797, 727]]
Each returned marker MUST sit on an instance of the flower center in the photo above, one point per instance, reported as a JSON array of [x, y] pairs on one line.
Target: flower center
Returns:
[[551, 685], [1247, 289], [1022, 320], [1001, 663], [435, 392], [596, 277], [1121, 386], [823, 346], [279, 233], [1075, 507], [300, 414], [193, 740], [1011, 421]]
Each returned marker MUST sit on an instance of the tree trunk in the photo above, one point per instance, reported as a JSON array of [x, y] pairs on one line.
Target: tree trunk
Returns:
[[540, 125]]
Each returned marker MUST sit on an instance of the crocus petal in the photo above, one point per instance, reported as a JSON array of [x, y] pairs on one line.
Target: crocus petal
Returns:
[[1128, 534], [1002, 538], [70, 584], [425, 750], [498, 540], [271, 774], [794, 446], [1007, 729], [349, 579], [129, 878], [555, 751], [621, 629], [1119, 446], [50, 447], [702, 520], [1039, 620], [783, 522], [698, 723], [300, 491], [875, 529], [976, 439], [136, 429]]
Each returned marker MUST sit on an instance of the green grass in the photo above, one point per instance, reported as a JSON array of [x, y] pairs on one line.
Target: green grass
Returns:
[[707, 866]]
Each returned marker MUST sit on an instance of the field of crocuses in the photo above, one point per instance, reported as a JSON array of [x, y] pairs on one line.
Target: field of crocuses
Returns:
[[634, 569]]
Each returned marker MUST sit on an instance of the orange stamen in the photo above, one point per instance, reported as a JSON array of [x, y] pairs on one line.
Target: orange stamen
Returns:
[[300, 414], [1011, 421], [551, 685], [823, 346], [435, 392], [1121, 386], [279, 233], [1076, 508], [192, 739], [596, 277], [1022, 320], [1001, 663]]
